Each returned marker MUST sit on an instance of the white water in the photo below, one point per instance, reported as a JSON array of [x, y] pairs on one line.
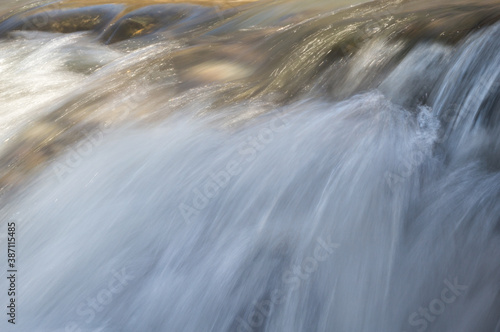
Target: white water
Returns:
[[407, 208], [37, 70]]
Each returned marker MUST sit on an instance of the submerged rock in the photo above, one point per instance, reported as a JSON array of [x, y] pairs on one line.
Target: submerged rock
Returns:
[[63, 20], [116, 20], [148, 20]]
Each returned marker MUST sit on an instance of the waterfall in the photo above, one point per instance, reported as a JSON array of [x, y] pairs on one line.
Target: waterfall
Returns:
[[253, 167]]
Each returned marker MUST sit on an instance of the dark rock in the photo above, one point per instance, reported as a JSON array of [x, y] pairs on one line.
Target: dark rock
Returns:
[[149, 19], [93, 18]]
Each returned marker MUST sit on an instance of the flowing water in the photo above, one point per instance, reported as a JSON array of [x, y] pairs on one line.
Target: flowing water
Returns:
[[237, 166]]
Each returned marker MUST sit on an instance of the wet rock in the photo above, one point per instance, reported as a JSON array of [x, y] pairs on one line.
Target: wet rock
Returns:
[[217, 71], [93, 18], [201, 64], [149, 19]]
